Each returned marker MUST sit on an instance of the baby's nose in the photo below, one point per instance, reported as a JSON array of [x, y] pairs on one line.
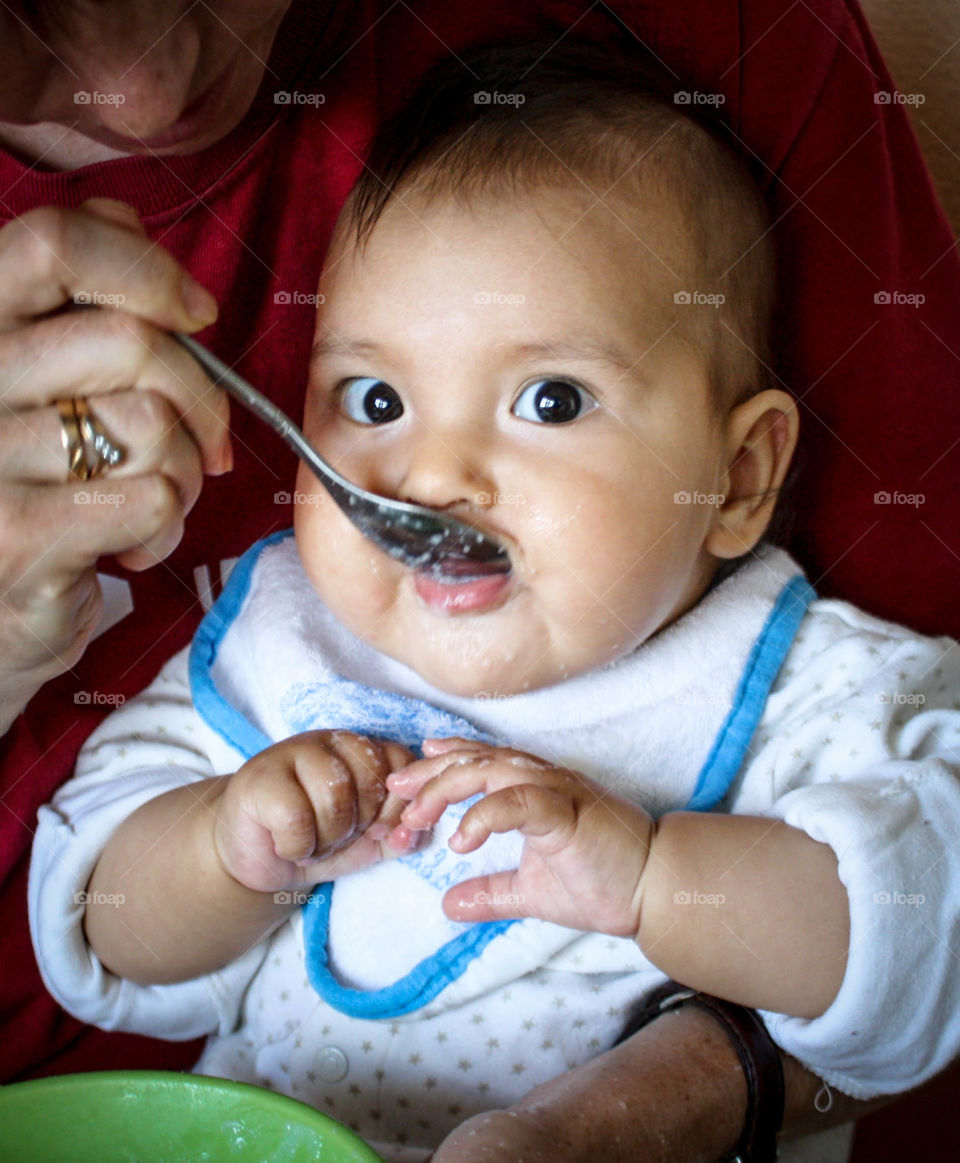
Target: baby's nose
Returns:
[[443, 470]]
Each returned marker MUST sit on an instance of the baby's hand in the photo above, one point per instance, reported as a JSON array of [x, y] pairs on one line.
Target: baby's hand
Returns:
[[585, 848], [309, 809]]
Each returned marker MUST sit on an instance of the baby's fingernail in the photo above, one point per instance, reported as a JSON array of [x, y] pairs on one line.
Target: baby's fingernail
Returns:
[[400, 776], [400, 838], [378, 831], [411, 816]]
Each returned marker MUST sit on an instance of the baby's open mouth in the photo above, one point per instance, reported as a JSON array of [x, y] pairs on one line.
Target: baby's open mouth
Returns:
[[460, 583], [455, 568]]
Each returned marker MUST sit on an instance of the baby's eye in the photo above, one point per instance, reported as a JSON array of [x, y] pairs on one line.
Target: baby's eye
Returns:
[[370, 401], [553, 402]]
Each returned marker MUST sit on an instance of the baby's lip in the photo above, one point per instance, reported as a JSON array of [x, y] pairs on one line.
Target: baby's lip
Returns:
[[466, 587]]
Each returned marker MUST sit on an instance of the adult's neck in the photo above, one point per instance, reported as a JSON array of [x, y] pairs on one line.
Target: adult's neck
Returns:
[[48, 146]]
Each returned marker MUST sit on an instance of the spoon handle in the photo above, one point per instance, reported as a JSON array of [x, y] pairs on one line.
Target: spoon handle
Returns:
[[258, 403]]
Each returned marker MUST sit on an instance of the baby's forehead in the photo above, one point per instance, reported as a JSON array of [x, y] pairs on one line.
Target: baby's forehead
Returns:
[[637, 223]]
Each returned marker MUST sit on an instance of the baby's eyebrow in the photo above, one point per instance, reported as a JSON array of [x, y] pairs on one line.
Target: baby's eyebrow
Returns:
[[581, 348], [337, 346]]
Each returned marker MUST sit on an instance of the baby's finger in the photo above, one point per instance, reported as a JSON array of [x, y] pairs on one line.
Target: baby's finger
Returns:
[[285, 810], [545, 813], [463, 776], [370, 762], [409, 780], [439, 746], [459, 774], [328, 782], [485, 898]]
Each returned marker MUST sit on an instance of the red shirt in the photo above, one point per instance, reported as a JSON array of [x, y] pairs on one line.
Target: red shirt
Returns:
[[250, 217]]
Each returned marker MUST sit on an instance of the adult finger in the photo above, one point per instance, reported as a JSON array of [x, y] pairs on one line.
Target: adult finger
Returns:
[[97, 354], [142, 424], [50, 255], [77, 523], [114, 210]]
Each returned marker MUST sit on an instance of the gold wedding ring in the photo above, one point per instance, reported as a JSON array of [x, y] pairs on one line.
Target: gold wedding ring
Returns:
[[90, 451]]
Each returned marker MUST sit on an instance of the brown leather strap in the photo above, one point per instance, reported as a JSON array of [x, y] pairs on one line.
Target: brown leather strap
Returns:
[[759, 1057]]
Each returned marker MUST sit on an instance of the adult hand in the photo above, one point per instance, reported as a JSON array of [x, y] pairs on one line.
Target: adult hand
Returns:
[[674, 1092], [143, 389]]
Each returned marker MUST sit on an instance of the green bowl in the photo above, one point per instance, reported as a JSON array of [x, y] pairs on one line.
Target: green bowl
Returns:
[[152, 1116]]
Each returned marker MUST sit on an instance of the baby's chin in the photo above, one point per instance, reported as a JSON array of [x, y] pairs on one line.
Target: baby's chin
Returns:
[[468, 665]]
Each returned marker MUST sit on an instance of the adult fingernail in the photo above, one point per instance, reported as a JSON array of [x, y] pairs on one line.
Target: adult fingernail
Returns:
[[200, 304], [400, 776], [225, 463]]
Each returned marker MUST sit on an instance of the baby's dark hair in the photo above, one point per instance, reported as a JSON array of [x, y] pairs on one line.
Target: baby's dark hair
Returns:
[[505, 119]]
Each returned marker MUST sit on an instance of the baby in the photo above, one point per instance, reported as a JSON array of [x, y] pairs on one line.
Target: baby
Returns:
[[406, 844]]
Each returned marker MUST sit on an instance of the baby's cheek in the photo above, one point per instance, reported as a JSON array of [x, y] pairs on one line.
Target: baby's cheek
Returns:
[[353, 580]]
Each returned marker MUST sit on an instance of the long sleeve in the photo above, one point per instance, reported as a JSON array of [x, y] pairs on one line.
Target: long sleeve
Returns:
[[861, 750], [150, 745]]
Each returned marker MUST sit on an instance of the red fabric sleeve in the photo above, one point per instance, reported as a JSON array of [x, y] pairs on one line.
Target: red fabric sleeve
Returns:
[[250, 217]]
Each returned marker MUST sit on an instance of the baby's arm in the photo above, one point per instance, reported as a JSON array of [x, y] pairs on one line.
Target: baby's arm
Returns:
[[207, 870], [745, 907]]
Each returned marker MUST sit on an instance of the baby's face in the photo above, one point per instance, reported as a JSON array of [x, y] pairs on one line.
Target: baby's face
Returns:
[[516, 364]]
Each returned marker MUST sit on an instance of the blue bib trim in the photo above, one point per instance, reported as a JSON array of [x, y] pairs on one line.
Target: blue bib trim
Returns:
[[434, 973], [210, 705], [418, 988], [770, 649]]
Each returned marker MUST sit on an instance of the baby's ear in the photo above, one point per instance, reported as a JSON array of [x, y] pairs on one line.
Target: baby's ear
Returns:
[[761, 436]]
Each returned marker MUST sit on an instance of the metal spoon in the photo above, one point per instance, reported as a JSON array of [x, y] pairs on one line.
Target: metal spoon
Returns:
[[417, 536]]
